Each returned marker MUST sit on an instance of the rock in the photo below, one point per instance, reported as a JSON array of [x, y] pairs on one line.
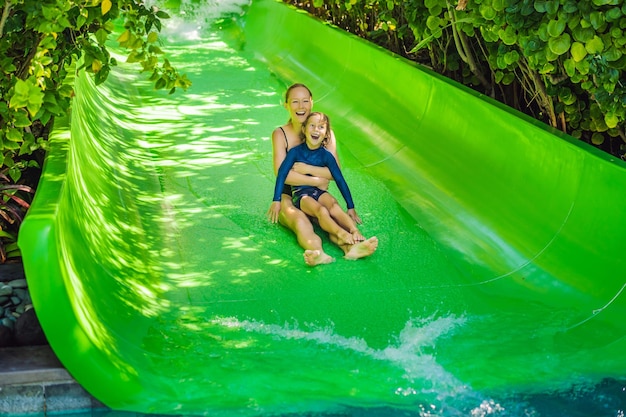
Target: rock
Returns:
[[7, 322], [20, 293], [18, 283], [6, 290], [28, 331]]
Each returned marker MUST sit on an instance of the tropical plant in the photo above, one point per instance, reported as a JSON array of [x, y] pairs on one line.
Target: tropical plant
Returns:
[[561, 61], [41, 42], [14, 202]]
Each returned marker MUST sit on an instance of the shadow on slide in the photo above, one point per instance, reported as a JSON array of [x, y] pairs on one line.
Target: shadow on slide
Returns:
[[162, 287]]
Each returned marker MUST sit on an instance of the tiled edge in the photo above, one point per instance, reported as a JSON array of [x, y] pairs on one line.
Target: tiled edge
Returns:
[[41, 399]]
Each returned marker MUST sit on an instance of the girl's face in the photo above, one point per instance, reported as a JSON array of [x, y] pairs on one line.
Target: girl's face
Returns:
[[299, 104], [315, 132]]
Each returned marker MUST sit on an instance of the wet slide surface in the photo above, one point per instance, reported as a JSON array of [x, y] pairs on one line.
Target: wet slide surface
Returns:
[[163, 288]]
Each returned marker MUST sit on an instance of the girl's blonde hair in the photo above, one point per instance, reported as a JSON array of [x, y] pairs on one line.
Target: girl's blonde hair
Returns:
[[324, 119]]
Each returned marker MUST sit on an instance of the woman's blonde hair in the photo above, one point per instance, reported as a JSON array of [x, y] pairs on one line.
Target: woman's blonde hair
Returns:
[[294, 86]]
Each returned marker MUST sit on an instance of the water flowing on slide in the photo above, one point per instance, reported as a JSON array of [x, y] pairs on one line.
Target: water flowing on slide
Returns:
[[162, 287]]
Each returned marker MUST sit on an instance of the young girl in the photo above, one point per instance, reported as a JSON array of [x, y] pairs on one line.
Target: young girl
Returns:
[[315, 201]]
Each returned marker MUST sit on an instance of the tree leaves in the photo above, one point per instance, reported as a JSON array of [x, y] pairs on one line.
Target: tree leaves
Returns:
[[560, 44], [578, 51], [27, 94], [105, 6], [38, 43], [574, 47]]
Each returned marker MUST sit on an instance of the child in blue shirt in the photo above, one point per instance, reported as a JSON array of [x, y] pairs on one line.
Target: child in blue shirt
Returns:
[[312, 200]]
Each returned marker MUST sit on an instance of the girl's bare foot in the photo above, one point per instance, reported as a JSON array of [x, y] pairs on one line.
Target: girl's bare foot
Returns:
[[317, 257], [362, 249]]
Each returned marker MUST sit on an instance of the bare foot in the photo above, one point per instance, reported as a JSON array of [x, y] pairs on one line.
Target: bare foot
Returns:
[[357, 236], [345, 238], [317, 257], [362, 249]]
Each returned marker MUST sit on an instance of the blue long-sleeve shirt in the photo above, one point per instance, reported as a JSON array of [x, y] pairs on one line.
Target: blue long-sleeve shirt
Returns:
[[317, 157]]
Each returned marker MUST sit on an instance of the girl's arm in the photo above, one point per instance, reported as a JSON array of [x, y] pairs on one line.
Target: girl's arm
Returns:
[[340, 180], [331, 146]]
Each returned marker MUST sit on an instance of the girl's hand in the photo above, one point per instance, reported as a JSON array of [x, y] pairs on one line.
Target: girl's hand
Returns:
[[354, 216], [273, 212]]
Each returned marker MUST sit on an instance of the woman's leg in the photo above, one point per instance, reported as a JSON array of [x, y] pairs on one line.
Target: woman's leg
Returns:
[[298, 222]]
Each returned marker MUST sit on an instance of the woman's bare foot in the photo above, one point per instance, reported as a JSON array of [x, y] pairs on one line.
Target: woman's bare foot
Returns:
[[357, 236], [362, 249], [317, 257], [345, 238]]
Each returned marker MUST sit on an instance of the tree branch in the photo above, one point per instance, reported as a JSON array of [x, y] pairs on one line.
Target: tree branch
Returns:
[[5, 15]]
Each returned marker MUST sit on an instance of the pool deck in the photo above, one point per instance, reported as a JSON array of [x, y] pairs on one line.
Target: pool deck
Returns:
[[34, 382]]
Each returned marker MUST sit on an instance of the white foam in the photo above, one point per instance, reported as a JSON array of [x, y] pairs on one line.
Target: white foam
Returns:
[[193, 18], [411, 350]]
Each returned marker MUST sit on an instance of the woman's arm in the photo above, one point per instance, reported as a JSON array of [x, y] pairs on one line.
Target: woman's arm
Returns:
[[306, 169], [322, 172]]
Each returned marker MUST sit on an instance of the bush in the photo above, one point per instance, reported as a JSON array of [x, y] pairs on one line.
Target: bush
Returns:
[[40, 43], [561, 61]]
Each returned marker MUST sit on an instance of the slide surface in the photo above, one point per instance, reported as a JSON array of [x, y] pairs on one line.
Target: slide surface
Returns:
[[163, 288]]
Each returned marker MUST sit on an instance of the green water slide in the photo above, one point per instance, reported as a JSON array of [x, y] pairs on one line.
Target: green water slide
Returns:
[[162, 287]]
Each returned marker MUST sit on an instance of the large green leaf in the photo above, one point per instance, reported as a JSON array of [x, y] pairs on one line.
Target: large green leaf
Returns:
[[594, 45], [578, 51], [487, 12], [560, 44], [556, 27], [508, 35], [583, 34], [597, 19]]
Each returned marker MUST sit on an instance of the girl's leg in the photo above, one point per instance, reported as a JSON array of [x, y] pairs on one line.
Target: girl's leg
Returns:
[[313, 208], [362, 247], [340, 216]]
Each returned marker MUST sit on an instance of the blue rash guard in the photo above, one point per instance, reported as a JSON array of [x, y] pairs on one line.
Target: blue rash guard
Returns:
[[317, 157]]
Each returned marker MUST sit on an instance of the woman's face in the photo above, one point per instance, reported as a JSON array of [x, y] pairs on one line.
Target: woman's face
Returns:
[[299, 104]]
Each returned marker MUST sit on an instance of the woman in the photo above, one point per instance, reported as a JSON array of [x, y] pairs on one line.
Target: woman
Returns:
[[298, 102]]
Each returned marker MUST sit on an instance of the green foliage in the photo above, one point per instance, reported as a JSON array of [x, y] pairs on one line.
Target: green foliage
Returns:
[[38, 42], [567, 57], [14, 202], [41, 42]]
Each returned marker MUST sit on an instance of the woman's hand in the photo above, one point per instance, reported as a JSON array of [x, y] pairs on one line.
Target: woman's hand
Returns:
[[311, 170], [301, 168], [273, 212], [352, 213], [322, 183]]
